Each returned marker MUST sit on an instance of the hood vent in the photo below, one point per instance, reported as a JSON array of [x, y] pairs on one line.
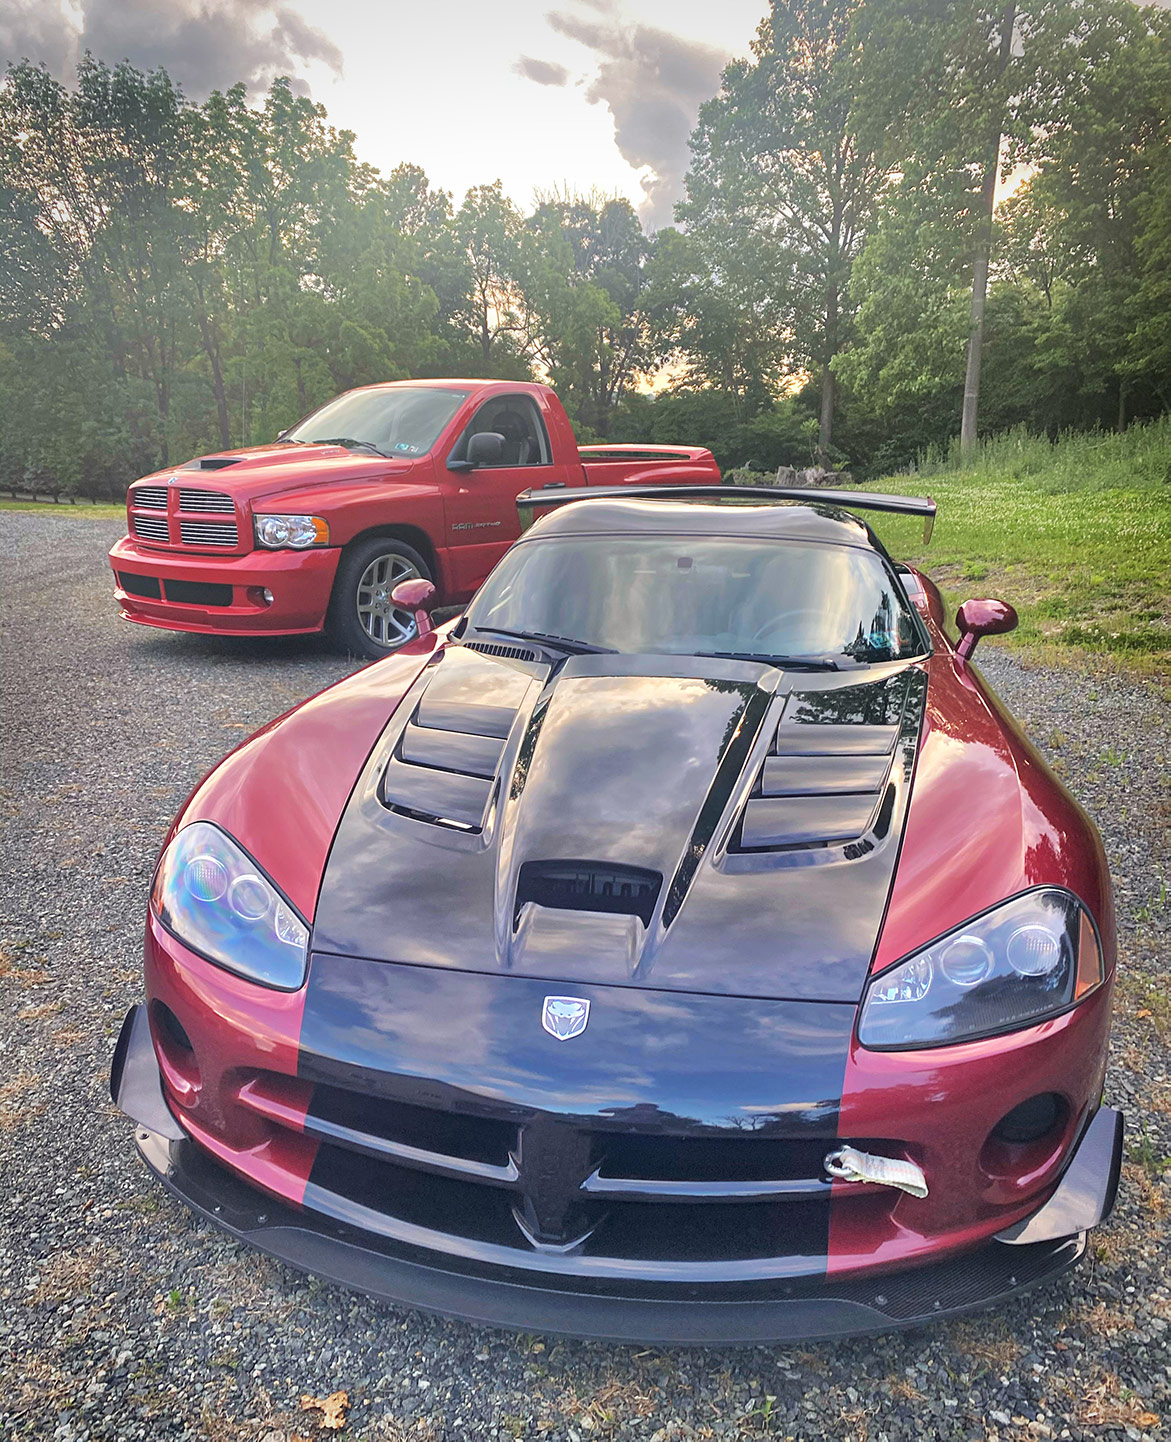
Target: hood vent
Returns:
[[820, 785], [444, 774], [589, 886], [493, 648]]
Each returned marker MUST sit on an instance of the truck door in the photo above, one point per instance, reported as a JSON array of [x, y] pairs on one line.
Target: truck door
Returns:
[[482, 520]]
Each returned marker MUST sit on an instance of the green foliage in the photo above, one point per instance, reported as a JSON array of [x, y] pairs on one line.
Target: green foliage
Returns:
[[782, 190], [1075, 533], [181, 278], [782, 434]]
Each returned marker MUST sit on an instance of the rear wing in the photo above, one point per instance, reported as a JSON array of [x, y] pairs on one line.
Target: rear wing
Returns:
[[528, 503]]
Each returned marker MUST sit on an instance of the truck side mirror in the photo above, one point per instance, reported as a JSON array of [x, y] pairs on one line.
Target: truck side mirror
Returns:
[[982, 618], [416, 595], [485, 448]]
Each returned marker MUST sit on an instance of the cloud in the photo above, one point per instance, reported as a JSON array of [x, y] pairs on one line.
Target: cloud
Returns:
[[203, 45], [653, 83], [544, 72]]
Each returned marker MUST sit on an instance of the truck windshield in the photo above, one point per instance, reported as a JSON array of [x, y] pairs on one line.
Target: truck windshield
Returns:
[[797, 601], [399, 421]]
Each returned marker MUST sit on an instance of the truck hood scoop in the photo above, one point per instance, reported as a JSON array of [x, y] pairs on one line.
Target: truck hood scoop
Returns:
[[656, 821]]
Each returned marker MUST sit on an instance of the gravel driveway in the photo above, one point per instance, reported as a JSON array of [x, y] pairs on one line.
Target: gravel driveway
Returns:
[[121, 1317]]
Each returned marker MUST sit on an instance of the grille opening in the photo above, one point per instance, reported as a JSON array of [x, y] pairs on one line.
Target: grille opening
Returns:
[[208, 533], [589, 886], [152, 528], [474, 1138], [725, 1231], [145, 586], [199, 593], [711, 1159], [213, 501], [150, 497], [442, 1204], [360, 1189]]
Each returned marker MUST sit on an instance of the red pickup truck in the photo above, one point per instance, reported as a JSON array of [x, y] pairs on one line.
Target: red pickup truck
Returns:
[[385, 483]]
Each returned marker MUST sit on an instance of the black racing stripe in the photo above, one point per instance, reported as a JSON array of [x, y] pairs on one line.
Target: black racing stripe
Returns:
[[443, 1104]]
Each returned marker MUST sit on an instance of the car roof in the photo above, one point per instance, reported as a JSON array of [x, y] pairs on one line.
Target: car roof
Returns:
[[733, 516]]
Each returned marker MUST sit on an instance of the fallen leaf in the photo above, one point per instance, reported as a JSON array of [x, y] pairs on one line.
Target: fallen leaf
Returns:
[[1144, 1013], [332, 1408], [1146, 1420]]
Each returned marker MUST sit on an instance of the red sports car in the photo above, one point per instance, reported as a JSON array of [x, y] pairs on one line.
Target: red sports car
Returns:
[[683, 946]]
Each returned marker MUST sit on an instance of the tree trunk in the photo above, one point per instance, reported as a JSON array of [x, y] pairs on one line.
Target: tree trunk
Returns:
[[983, 251], [212, 351], [1121, 403]]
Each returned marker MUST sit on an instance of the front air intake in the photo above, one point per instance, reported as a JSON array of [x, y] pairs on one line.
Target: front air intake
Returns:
[[589, 886]]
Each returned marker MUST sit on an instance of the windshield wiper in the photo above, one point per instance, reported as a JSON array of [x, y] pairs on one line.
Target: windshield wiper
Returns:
[[790, 663], [350, 442], [565, 643]]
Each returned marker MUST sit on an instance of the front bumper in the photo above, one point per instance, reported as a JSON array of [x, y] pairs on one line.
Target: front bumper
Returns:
[[808, 1308], [225, 590]]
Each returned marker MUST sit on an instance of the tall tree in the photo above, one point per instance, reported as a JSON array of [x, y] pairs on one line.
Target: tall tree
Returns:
[[584, 277], [489, 232], [778, 159]]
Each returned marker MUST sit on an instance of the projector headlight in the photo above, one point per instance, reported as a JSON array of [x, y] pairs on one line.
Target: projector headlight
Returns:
[[217, 901], [279, 533], [1021, 962]]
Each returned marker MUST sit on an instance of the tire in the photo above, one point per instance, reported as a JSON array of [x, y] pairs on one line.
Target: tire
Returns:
[[360, 619]]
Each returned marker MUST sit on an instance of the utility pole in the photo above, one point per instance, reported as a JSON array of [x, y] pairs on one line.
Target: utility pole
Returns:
[[983, 248]]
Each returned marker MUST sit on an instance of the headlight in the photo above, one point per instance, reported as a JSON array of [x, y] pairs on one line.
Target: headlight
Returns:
[[280, 532], [1024, 960], [217, 901]]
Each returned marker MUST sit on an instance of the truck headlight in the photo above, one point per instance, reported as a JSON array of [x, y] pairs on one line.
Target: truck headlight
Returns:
[[217, 901], [1026, 959], [279, 533]]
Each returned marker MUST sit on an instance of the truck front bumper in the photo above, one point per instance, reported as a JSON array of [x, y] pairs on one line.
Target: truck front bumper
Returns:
[[224, 595]]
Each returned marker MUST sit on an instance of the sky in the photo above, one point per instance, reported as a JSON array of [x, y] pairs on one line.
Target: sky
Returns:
[[540, 94]]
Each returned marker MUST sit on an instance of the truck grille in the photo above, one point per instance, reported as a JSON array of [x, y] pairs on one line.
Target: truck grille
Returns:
[[206, 501], [208, 533], [153, 498], [151, 528]]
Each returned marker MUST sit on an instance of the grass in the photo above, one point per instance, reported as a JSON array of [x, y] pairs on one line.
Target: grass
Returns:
[[101, 512], [1075, 534]]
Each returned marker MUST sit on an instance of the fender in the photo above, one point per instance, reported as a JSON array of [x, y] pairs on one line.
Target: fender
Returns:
[[281, 793]]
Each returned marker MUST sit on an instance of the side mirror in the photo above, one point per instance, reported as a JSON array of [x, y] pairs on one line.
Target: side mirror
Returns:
[[416, 595], [485, 448], [982, 618]]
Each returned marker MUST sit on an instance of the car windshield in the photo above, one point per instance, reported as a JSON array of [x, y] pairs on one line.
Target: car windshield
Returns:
[[403, 421], [688, 595]]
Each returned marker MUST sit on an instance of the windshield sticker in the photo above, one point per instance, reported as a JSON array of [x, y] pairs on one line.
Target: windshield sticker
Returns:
[[406, 446]]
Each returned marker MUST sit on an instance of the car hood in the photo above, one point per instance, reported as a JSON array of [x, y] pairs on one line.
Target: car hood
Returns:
[[650, 821], [256, 471]]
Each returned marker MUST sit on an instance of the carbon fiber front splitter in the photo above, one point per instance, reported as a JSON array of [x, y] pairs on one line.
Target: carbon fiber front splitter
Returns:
[[421, 1279]]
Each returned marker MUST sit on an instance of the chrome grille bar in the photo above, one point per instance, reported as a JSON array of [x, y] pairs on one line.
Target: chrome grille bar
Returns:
[[153, 498], [208, 533], [151, 528], [206, 501]]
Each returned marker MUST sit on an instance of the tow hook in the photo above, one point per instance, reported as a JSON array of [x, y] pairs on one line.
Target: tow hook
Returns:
[[848, 1164]]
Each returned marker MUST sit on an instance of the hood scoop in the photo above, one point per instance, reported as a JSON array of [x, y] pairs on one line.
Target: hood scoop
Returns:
[[211, 463], [825, 779], [589, 886]]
